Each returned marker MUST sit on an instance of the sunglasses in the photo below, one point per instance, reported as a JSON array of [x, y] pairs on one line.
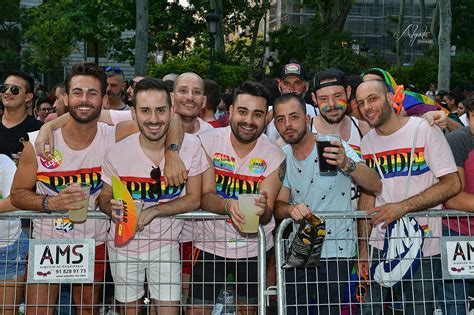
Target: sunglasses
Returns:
[[14, 89], [110, 69], [46, 109], [155, 174]]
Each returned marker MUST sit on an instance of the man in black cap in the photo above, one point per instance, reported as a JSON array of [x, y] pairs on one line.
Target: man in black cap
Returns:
[[292, 80]]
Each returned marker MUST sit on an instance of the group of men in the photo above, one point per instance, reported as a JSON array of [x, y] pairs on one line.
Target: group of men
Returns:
[[175, 163]]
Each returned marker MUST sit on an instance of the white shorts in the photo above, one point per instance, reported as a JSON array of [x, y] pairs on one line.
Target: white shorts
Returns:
[[163, 272]]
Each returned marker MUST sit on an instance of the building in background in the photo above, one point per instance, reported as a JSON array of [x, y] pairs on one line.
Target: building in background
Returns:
[[368, 21]]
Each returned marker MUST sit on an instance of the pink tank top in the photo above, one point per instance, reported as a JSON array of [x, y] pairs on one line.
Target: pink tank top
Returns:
[[73, 166]]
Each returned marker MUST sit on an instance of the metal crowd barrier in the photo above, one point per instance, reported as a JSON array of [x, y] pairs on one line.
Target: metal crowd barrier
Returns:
[[107, 303], [365, 295]]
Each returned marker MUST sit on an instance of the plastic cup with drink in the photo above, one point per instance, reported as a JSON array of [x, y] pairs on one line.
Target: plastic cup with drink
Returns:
[[249, 210], [81, 214]]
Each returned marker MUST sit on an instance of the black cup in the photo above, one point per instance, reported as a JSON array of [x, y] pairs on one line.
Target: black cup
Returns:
[[324, 141]]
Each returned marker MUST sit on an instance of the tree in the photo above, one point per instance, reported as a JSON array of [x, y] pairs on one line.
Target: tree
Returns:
[[331, 16], [48, 35], [399, 47], [9, 36], [141, 37], [444, 42]]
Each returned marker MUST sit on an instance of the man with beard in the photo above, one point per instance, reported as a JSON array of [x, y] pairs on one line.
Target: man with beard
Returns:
[[245, 162], [418, 172], [305, 190], [293, 81], [153, 250], [331, 93], [115, 88], [59, 106], [40, 184], [16, 93]]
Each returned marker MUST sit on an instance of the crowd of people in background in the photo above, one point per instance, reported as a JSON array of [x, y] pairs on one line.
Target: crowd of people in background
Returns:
[[212, 143]]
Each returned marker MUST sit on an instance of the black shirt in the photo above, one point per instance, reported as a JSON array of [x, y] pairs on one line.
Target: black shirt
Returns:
[[10, 137]]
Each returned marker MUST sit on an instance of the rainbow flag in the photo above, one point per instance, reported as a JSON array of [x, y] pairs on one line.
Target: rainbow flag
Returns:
[[125, 229], [413, 103]]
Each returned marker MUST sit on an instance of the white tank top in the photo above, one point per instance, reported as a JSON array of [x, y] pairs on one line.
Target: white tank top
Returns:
[[68, 166], [354, 142]]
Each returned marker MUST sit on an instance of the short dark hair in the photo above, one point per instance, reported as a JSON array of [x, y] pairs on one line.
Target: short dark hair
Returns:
[[89, 69], [62, 86], [285, 98], [42, 100], [149, 84], [30, 82], [354, 81], [453, 97], [253, 88], [213, 94], [469, 105]]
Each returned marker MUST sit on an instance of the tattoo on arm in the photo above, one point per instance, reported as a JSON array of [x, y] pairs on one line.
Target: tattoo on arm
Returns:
[[282, 171]]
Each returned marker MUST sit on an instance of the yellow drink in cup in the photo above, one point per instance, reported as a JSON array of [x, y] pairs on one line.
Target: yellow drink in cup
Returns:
[[249, 209], [81, 214]]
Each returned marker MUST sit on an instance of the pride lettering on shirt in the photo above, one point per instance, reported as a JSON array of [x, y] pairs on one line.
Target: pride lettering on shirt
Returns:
[[356, 148], [149, 190], [57, 181], [395, 163]]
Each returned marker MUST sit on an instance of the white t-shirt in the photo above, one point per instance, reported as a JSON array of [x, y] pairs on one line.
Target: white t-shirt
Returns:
[[73, 166], [118, 116], [463, 119], [433, 159], [127, 161], [10, 228], [235, 175]]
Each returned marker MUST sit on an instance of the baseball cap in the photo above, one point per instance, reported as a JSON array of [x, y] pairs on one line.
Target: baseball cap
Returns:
[[293, 68], [336, 76]]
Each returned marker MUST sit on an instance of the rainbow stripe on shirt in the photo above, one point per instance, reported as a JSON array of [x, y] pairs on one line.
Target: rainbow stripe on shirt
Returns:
[[149, 190], [230, 185], [356, 148], [395, 163], [57, 181]]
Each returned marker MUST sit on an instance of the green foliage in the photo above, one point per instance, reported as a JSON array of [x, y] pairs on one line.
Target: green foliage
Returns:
[[48, 36], [9, 35], [425, 70], [225, 75]]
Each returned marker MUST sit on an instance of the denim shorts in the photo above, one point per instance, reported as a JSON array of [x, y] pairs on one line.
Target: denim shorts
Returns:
[[13, 258]]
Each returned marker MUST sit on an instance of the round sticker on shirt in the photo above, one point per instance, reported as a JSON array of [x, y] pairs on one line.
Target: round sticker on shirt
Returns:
[[257, 166], [56, 160]]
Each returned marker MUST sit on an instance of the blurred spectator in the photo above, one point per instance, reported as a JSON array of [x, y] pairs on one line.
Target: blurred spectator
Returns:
[[43, 108], [59, 105], [431, 93], [115, 89], [213, 98]]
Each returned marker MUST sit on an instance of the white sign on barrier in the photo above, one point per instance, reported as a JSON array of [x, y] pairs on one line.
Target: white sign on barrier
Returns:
[[458, 257], [61, 261]]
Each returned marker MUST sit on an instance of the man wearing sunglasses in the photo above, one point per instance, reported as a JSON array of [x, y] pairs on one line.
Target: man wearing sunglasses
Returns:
[[16, 92]]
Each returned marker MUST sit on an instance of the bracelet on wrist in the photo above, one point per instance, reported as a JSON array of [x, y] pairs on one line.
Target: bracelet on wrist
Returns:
[[226, 211]]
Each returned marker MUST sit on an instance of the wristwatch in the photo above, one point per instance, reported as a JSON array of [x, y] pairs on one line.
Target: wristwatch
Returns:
[[350, 168], [172, 147], [46, 204]]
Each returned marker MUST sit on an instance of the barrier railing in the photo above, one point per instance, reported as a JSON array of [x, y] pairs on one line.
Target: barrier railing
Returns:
[[53, 250], [440, 284]]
